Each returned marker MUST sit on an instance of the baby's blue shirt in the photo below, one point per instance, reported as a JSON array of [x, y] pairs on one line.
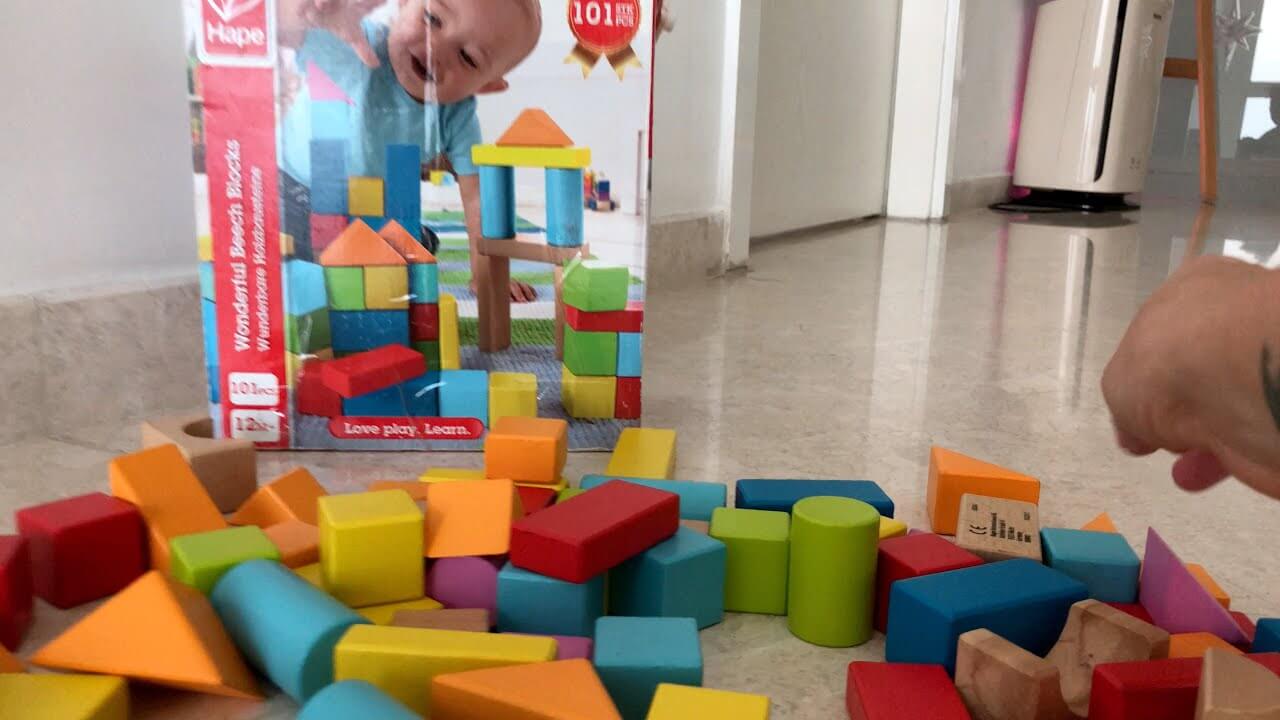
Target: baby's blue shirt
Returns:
[[382, 113]]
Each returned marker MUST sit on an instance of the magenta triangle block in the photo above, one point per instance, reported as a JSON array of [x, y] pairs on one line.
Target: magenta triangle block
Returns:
[[322, 87], [1176, 600]]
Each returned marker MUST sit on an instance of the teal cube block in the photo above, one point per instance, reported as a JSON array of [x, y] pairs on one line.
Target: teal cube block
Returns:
[[595, 286], [1103, 561], [308, 334], [465, 394], [633, 655], [304, 287], [424, 283], [200, 560], [1266, 638], [682, 576], [630, 354], [590, 353], [697, 499], [541, 605]]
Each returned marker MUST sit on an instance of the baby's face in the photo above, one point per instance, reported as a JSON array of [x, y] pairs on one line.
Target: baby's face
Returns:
[[448, 50]]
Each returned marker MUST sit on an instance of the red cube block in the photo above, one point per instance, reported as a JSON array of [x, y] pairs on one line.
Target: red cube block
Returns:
[[16, 597], [83, 548], [533, 499], [626, 400], [1134, 609], [372, 370], [313, 396], [424, 322], [1153, 689], [911, 556], [325, 229], [896, 691]]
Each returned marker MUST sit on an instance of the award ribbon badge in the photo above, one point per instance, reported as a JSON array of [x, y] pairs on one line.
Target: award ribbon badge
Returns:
[[604, 28]]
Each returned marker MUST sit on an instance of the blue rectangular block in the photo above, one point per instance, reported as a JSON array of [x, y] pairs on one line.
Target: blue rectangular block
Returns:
[[1103, 561], [422, 395], [541, 605], [209, 320], [564, 207], [1020, 600], [304, 288], [682, 576], [697, 499], [1267, 638], [629, 354], [780, 495], [330, 120], [206, 281], [329, 177], [424, 283], [403, 191], [465, 393], [633, 655], [359, 330]]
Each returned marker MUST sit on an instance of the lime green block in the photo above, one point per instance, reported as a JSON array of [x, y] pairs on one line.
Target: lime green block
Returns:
[[590, 353], [308, 334], [200, 560], [567, 493], [756, 545], [346, 287], [430, 350], [832, 574], [594, 286]]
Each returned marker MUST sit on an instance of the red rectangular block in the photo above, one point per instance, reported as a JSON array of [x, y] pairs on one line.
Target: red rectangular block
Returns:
[[313, 396], [630, 320], [83, 548], [626, 399], [1134, 609], [1153, 689], [534, 499], [16, 596], [424, 322], [911, 556], [372, 370], [589, 533], [896, 691]]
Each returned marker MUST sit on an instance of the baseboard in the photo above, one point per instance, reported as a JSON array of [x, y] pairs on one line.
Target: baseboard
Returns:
[[971, 193], [684, 249]]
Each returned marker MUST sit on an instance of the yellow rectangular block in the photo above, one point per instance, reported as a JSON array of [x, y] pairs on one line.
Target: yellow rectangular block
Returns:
[[680, 702], [63, 697], [891, 527], [531, 157], [512, 394], [204, 248], [371, 547], [402, 661], [383, 614], [364, 196], [644, 453], [450, 353], [311, 573], [586, 396], [386, 287], [287, 246]]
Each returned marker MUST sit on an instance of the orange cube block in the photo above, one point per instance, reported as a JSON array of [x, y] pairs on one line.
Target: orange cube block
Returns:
[[168, 494], [1196, 644], [292, 496], [526, 449], [1206, 581], [298, 542], [470, 518], [952, 475]]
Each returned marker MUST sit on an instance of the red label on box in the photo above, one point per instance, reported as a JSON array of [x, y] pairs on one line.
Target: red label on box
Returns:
[[237, 33], [381, 428]]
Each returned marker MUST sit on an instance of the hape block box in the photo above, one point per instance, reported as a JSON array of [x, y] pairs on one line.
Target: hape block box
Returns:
[[350, 298]]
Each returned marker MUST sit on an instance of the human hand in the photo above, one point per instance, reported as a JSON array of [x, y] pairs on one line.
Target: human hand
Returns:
[[342, 18]]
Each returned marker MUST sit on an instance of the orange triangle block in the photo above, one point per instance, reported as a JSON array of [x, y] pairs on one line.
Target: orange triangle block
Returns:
[[535, 128], [952, 475], [159, 631], [565, 689], [405, 244], [359, 246], [1102, 523], [9, 663]]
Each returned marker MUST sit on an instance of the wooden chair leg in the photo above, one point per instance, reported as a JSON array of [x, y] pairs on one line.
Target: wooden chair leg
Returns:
[[493, 300], [1208, 92]]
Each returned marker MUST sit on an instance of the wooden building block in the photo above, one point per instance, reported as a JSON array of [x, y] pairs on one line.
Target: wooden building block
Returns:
[[586, 397], [1236, 688], [297, 542], [630, 320], [354, 699], [325, 229], [560, 689], [512, 394], [402, 662], [371, 547], [417, 490], [404, 242], [365, 196], [451, 474], [1135, 610], [1000, 681], [697, 499], [461, 619], [361, 330], [228, 468], [63, 697], [159, 631], [757, 551], [675, 702], [781, 494], [596, 286], [998, 529], [831, 571], [465, 582], [450, 354], [424, 323], [952, 475], [1097, 633], [1176, 600], [564, 212], [465, 394], [83, 548], [1247, 627], [891, 528], [571, 647], [386, 287], [1267, 636], [292, 496], [383, 614], [1196, 644], [531, 603], [201, 559], [312, 573], [582, 537], [533, 127], [1102, 523], [373, 370], [635, 655], [533, 499], [527, 449], [311, 396], [627, 398], [17, 598], [1206, 581], [9, 663], [1103, 561], [889, 691], [590, 353], [682, 576], [530, 157], [913, 556], [358, 246], [1154, 690], [345, 287], [172, 500], [644, 453], [470, 518]]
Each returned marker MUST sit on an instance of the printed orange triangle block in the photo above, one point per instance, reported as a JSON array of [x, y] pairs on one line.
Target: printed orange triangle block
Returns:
[[567, 689], [1102, 523], [159, 631], [535, 128], [405, 244], [953, 475], [359, 246], [954, 463]]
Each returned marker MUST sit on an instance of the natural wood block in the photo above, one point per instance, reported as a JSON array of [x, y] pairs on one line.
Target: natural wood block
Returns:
[[1000, 681], [1233, 687], [227, 468], [998, 529], [463, 619], [1097, 633]]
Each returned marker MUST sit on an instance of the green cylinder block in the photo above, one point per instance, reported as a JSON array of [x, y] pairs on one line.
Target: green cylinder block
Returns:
[[831, 585]]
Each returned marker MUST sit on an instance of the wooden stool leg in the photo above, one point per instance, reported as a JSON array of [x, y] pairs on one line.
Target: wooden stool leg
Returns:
[[493, 298], [1208, 91], [559, 283]]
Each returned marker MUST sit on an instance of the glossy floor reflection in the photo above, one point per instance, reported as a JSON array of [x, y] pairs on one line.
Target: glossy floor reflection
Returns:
[[847, 353]]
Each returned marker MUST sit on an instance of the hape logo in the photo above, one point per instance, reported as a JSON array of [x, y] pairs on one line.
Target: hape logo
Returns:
[[237, 32]]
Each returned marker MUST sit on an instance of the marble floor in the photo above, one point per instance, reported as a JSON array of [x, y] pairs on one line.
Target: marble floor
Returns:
[[846, 353]]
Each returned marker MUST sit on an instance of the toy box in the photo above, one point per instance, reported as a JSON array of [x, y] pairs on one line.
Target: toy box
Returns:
[[376, 181]]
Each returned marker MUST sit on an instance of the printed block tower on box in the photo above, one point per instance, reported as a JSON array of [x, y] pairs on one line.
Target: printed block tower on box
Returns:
[[602, 343]]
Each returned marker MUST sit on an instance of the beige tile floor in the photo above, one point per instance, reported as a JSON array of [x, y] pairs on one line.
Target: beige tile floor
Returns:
[[846, 353]]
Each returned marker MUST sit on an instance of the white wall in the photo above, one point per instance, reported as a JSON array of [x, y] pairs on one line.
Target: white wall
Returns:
[[95, 162]]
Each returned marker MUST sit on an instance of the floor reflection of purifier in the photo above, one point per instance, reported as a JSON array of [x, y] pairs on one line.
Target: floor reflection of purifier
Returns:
[[1089, 109]]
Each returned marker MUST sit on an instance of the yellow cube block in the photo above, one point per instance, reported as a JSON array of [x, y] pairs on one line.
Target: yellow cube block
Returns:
[[586, 396], [204, 248], [386, 287], [679, 702], [401, 661], [512, 394], [450, 353], [311, 573], [63, 697], [382, 614], [364, 196], [891, 527], [371, 547], [644, 453]]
